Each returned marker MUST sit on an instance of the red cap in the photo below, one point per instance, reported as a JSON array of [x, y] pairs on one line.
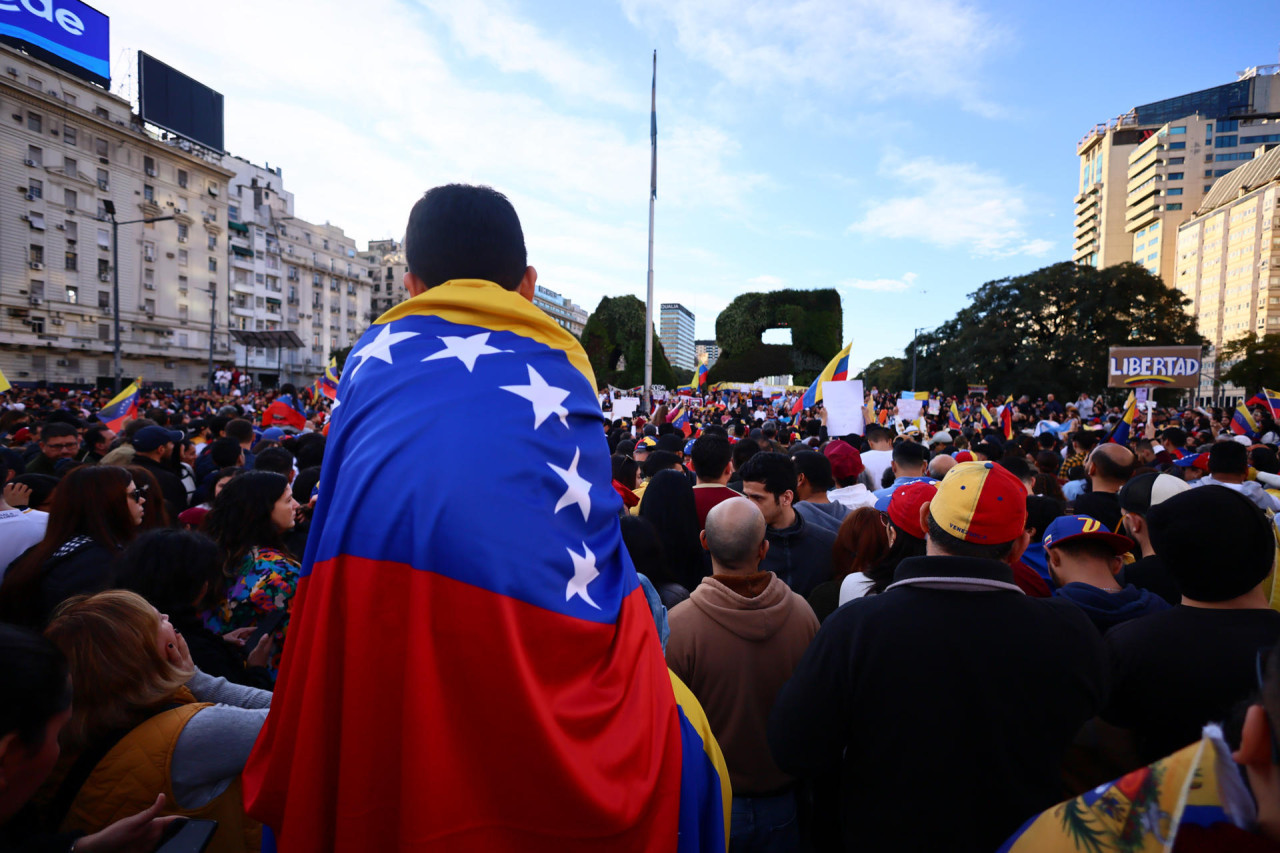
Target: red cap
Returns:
[[904, 506], [846, 461]]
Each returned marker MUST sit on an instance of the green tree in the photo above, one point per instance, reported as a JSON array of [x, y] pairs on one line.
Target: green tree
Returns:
[[1257, 362], [889, 372], [613, 335], [814, 317], [1049, 331]]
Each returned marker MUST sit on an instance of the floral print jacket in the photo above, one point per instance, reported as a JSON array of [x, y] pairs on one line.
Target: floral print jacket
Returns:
[[263, 583]]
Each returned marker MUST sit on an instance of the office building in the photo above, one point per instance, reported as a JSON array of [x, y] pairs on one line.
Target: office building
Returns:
[[1144, 172], [708, 351], [676, 333], [1228, 260], [561, 309], [67, 148], [387, 266]]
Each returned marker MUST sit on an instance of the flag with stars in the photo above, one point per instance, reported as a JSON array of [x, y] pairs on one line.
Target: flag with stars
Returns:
[[471, 662]]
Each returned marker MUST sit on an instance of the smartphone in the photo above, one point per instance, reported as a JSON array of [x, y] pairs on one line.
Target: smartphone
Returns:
[[187, 836], [268, 625]]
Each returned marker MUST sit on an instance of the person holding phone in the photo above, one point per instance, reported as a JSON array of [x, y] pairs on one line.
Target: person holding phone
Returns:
[[144, 720]]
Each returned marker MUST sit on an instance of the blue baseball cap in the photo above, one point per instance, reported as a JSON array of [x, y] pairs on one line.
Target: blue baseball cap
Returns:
[[1069, 528]]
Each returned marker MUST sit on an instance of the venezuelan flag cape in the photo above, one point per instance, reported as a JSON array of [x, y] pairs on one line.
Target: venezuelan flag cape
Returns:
[[1242, 422], [1145, 811], [1006, 418], [284, 412], [471, 662], [837, 370], [1123, 429], [122, 408]]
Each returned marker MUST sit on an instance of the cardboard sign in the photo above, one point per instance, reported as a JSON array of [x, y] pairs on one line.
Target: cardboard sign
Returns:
[[1153, 367], [843, 402], [909, 410], [625, 407]]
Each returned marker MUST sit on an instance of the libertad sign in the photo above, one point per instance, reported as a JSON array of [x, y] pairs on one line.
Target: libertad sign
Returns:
[[1153, 367]]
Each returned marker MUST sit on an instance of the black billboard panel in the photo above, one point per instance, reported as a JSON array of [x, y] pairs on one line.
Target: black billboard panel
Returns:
[[170, 99]]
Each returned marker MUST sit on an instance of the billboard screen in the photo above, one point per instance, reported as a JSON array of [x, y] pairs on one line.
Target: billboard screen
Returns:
[[1153, 367], [67, 34], [170, 99]]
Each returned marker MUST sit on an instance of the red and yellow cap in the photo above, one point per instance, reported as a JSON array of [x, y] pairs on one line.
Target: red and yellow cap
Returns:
[[980, 502]]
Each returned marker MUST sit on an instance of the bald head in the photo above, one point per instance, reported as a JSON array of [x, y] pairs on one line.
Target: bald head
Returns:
[[734, 535], [940, 465], [1111, 464]]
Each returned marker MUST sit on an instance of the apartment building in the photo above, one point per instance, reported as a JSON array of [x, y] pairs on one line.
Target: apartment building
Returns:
[[708, 351], [1228, 258], [288, 274], [1165, 155], [387, 266], [66, 149], [561, 309], [675, 330]]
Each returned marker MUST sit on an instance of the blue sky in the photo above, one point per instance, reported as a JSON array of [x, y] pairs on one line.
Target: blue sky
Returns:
[[903, 152]]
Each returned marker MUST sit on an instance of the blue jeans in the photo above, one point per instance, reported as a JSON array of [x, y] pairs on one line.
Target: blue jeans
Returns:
[[764, 825]]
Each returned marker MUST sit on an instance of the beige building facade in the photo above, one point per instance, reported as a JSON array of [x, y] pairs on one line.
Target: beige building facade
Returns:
[[387, 266]]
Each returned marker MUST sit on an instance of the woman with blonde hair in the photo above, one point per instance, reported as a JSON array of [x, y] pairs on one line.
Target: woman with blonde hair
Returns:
[[145, 721]]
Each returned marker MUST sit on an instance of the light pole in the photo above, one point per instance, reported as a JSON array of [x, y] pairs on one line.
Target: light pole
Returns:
[[914, 338], [110, 209], [213, 306]]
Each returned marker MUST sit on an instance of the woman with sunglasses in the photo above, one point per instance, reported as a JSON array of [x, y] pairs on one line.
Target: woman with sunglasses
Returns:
[[96, 512]]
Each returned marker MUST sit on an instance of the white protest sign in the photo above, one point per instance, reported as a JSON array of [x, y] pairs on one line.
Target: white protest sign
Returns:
[[625, 407], [909, 410], [843, 402], [935, 406]]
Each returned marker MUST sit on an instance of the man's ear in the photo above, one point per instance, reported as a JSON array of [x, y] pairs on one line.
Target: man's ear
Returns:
[[1255, 740], [1019, 547], [924, 515], [527, 283], [764, 549], [702, 537], [1116, 564], [414, 285]]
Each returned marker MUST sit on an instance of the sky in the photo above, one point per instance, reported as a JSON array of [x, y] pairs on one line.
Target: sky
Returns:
[[903, 152]]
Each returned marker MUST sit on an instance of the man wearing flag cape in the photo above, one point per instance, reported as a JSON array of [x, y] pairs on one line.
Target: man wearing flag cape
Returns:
[[472, 663]]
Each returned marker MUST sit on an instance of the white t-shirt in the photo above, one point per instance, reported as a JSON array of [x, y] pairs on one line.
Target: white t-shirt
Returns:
[[19, 531], [853, 497], [854, 585], [877, 462]]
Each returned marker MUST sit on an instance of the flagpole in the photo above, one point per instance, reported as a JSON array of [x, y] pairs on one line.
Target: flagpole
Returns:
[[653, 195]]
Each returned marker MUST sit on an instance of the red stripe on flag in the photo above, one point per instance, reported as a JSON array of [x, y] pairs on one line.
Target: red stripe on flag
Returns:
[[418, 712]]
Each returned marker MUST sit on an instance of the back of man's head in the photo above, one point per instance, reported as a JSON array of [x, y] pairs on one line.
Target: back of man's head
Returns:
[[241, 430], [711, 455], [1215, 542], [225, 452], [1041, 511], [1084, 441], [275, 459], [460, 231], [1019, 467], [816, 469], [133, 427], [1113, 462], [659, 460], [1228, 457], [878, 435], [911, 458], [980, 510], [742, 451], [774, 471], [735, 529], [1175, 436]]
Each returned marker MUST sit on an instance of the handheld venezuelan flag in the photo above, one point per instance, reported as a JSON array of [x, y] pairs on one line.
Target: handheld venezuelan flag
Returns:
[[1242, 422], [1006, 418], [329, 381], [837, 370], [383, 733], [4, 383], [1124, 428], [953, 417], [1272, 402], [988, 420], [701, 378], [122, 408]]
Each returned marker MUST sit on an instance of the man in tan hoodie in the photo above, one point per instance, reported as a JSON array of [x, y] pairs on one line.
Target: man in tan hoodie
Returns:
[[735, 642]]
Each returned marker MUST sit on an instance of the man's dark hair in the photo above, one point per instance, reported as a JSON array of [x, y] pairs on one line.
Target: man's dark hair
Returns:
[[711, 455], [659, 460], [56, 429], [225, 452], [218, 424], [742, 451], [1175, 436], [1048, 462], [875, 432], [1264, 459], [93, 435], [1041, 511], [992, 451], [1018, 466], [773, 470], [1086, 441], [41, 486], [275, 459], [1086, 548], [960, 548], [1228, 457], [816, 469], [910, 453], [240, 429], [463, 231]]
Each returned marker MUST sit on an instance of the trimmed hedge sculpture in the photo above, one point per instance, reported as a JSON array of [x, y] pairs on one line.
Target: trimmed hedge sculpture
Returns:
[[612, 333], [815, 318]]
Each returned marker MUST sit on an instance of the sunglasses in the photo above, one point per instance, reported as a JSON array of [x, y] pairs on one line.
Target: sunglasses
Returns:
[[138, 494]]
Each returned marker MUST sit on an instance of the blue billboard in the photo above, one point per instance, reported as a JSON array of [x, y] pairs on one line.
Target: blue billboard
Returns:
[[65, 33]]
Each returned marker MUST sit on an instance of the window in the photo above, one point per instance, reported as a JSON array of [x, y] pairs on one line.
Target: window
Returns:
[[1177, 146], [71, 261], [149, 193], [1225, 141], [1173, 206], [149, 278], [35, 83], [36, 155], [69, 98], [182, 177], [182, 257], [233, 213], [1174, 191], [69, 199], [37, 327], [182, 283], [148, 251], [1242, 155], [101, 148], [149, 306], [1226, 125], [149, 166], [1271, 137], [182, 336], [36, 221], [73, 294], [104, 267], [104, 180], [104, 332], [258, 278], [101, 112], [36, 254], [1175, 176], [213, 265], [182, 312], [69, 134], [35, 189], [35, 123], [1177, 131], [213, 241], [182, 233], [1176, 161]]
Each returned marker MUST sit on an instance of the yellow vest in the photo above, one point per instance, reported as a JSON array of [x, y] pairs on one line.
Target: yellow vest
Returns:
[[137, 768]]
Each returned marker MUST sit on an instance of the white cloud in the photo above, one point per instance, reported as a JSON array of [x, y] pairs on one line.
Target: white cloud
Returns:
[[952, 205], [885, 285], [867, 48], [766, 281]]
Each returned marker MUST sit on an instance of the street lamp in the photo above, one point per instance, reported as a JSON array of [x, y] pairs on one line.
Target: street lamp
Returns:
[[915, 337], [110, 209]]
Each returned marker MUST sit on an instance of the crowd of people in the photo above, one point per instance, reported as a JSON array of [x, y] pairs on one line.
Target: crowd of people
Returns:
[[937, 640]]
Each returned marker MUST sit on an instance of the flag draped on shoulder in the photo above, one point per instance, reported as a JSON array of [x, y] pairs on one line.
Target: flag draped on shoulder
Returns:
[[122, 408], [1006, 418], [1124, 427], [476, 668], [284, 411], [837, 370]]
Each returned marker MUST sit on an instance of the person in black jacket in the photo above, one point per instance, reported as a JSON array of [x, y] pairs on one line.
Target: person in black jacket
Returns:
[[799, 552], [176, 571], [95, 514], [154, 448], [945, 703]]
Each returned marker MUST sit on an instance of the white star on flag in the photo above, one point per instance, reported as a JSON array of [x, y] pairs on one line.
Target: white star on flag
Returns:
[[584, 572], [546, 398], [577, 489], [380, 347], [466, 350]]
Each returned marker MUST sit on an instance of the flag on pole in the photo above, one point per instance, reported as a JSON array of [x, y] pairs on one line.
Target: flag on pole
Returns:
[[837, 370], [4, 383], [380, 735], [329, 381], [1123, 429], [988, 420], [953, 417], [122, 408], [1242, 422], [701, 378]]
